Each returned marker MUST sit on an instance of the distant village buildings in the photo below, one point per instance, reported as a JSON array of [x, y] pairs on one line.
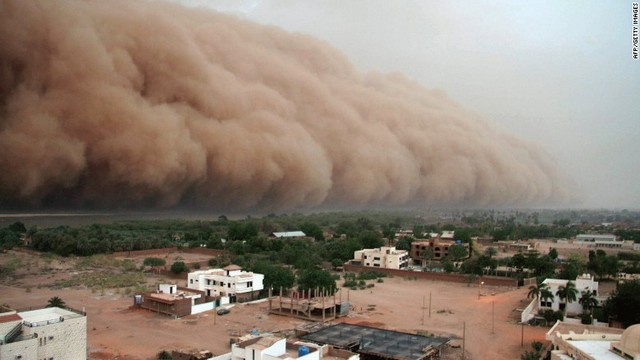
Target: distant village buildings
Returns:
[[48, 333]]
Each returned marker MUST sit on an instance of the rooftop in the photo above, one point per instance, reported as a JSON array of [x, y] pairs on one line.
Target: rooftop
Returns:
[[284, 234], [374, 341], [47, 316], [595, 348]]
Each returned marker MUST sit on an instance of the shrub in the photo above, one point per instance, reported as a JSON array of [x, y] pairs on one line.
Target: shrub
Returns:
[[370, 275], [585, 318], [179, 267], [154, 261], [350, 283]]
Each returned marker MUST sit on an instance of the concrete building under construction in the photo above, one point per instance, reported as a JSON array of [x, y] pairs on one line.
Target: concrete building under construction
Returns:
[[313, 304], [379, 344]]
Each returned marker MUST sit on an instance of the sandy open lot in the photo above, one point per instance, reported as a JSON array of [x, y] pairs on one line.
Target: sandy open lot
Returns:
[[116, 330]]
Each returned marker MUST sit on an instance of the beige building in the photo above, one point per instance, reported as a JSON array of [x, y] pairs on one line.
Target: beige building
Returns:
[[49, 333], [385, 257], [588, 342]]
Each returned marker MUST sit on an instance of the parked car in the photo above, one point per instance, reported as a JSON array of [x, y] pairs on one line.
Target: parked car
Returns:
[[223, 311]]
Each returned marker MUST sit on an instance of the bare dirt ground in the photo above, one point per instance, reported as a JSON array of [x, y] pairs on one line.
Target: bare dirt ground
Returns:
[[116, 330]]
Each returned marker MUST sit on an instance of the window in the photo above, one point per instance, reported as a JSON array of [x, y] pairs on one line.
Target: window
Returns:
[[190, 281], [229, 285], [250, 284], [376, 258]]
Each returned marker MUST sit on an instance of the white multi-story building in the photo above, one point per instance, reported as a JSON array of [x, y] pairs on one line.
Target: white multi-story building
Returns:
[[49, 333], [583, 283], [608, 240], [385, 257], [231, 284]]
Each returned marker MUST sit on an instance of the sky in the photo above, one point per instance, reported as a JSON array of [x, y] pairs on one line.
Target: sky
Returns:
[[557, 73]]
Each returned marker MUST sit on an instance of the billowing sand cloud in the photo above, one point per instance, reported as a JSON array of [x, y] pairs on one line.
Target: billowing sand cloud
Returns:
[[138, 104]]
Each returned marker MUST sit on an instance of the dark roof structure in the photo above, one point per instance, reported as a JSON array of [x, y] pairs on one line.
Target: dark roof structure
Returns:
[[377, 343]]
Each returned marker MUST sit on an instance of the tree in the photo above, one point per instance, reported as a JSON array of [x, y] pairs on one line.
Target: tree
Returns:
[[179, 267], [545, 295], [567, 293], [535, 290], [275, 276], [457, 252], [553, 253], [370, 240], [622, 304], [447, 265], [427, 254], [313, 278], [313, 230], [588, 301], [404, 243], [535, 354], [572, 267], [154, 262], [56, 302], [518, 261], [490, 252], [17, 227]]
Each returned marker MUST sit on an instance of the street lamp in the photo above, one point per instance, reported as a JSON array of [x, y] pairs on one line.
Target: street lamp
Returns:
[[480, 288]]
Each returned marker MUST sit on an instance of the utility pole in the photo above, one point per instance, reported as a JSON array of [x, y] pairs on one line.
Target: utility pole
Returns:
[[493, 317], [522, 336], [464, 337], [429, 303], [423, 310]]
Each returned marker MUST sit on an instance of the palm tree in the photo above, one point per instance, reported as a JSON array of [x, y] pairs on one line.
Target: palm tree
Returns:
[[56, 302], [588, 301], [535, 290], [545, 294], [567, 293]]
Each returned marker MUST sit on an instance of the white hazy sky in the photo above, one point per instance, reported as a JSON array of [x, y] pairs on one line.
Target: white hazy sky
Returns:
[[558, 73]]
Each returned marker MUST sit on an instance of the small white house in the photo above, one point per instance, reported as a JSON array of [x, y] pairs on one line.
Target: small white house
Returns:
[[231, 283]]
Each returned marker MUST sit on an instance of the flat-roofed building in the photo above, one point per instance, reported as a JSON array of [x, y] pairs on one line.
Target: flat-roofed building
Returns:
[[387, 257], [176, 301], [596, 240], [231, 284], [584, 282], [587, 342], [48, 333]]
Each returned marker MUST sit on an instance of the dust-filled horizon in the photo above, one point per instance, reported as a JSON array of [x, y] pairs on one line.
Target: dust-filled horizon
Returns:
[[131, 104]]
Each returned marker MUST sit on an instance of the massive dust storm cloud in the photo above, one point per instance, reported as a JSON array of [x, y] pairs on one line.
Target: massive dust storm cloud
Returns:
[[127, 104]]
